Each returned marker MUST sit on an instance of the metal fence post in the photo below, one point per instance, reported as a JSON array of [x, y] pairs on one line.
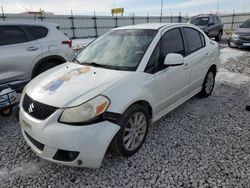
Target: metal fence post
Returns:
[[95, 25], [179, 18], [41, 17], [133, 19], [232, 25], [72, 24], [116, 21]]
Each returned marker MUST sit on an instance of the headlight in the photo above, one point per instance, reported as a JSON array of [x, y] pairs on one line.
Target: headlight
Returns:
[[235, 36], [85, 112]]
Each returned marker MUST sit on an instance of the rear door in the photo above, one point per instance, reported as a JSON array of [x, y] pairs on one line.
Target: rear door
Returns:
[[197, 56], [214, 28], [17, 53]]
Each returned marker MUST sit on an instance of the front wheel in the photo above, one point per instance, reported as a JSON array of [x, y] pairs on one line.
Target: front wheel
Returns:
[[134, 128], [208, 84]]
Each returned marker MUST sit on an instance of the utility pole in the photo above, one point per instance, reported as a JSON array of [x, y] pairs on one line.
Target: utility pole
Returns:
[[161, 7], [244, 6], [218, 6]]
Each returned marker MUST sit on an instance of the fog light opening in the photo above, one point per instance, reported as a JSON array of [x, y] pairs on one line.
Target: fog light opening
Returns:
[[65, 156]]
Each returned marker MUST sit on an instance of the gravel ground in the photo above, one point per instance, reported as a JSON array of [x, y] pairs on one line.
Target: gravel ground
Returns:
[[203, 143]]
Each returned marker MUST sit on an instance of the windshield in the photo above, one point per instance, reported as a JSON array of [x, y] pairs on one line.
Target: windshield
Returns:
[[201, 21], [119, 49], [246, 24]]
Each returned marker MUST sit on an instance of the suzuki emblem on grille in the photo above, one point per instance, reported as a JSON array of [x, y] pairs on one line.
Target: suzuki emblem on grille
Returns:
[[31, 107]]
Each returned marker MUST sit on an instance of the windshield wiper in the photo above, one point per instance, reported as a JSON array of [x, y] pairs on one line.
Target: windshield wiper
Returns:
[[94, 64], [112, 67], [77, 61]]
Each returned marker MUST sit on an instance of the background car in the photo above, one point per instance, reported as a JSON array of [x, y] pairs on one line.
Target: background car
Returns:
[[28, 49], [241, 37], [210, 24], [109, 96]]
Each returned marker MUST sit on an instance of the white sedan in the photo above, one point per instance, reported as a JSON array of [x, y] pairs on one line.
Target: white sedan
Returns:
[[118, 85]]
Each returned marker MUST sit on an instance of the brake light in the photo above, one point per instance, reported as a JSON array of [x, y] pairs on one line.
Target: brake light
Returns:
[[69, 43]]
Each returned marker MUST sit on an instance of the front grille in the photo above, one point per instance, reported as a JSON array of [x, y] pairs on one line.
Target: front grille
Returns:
[[36, 109], [246, 38], [39, 145]]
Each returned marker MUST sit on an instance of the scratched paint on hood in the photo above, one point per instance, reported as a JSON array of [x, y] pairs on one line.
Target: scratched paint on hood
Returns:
[[53, 85]]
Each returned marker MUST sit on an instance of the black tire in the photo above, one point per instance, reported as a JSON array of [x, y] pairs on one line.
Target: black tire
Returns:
[[218, 38], [248, 108], [208, 84], [118, 145], [6, 112], [44, 67]]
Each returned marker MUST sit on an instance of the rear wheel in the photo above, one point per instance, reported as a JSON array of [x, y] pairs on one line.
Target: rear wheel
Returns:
[[44, 67], [218, 38], [208, 84], [134, 128]]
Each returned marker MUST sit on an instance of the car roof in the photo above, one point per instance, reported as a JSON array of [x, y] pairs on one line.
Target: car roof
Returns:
[[153, 26], [203, 15], [36, 23]]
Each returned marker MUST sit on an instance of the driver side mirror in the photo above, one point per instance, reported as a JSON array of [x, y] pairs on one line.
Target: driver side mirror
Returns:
[[240, 25], [173, 60]]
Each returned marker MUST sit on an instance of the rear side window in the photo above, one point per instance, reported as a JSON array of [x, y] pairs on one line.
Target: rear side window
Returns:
[[11, 35], [36, 32], [195, 39]]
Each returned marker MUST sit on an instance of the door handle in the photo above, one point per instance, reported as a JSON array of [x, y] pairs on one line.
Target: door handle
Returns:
[[186, 65], [32, 48]]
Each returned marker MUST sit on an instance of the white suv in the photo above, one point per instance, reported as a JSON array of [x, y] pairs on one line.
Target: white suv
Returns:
[[28, 49], [118, 85]]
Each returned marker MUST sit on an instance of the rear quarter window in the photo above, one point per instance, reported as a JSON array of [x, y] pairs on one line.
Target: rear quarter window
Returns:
[[36, 32]]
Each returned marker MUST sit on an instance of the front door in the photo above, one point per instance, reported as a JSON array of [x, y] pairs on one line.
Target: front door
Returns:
[[172, 82]]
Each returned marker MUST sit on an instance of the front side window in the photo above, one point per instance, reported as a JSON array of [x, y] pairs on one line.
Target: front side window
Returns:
[[36, 32], [194, 38], [171, 42], [11, 35], [119, 49]]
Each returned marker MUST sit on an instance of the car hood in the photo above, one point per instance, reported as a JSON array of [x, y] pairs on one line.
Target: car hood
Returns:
[[243, 31], [72, 84]]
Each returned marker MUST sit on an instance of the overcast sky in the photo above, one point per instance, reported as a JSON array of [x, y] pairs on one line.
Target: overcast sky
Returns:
[[139, 7]]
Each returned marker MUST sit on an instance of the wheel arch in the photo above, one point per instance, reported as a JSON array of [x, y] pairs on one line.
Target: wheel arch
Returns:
[[57, 59], [142, 103], [213, 68]]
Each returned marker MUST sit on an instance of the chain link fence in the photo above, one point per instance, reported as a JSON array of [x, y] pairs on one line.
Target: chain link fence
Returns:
[[76, 26], [90, 26]]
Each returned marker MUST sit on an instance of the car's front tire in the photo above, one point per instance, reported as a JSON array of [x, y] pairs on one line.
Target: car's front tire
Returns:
[[134, 128], [208, 84]]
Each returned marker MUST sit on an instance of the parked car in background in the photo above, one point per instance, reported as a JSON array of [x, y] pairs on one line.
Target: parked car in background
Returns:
[[119, 84], [210, 23], [241, 37], [28, 49]]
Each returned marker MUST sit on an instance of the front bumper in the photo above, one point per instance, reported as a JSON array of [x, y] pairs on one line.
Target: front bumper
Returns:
[[239, 43], [85, 145]]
